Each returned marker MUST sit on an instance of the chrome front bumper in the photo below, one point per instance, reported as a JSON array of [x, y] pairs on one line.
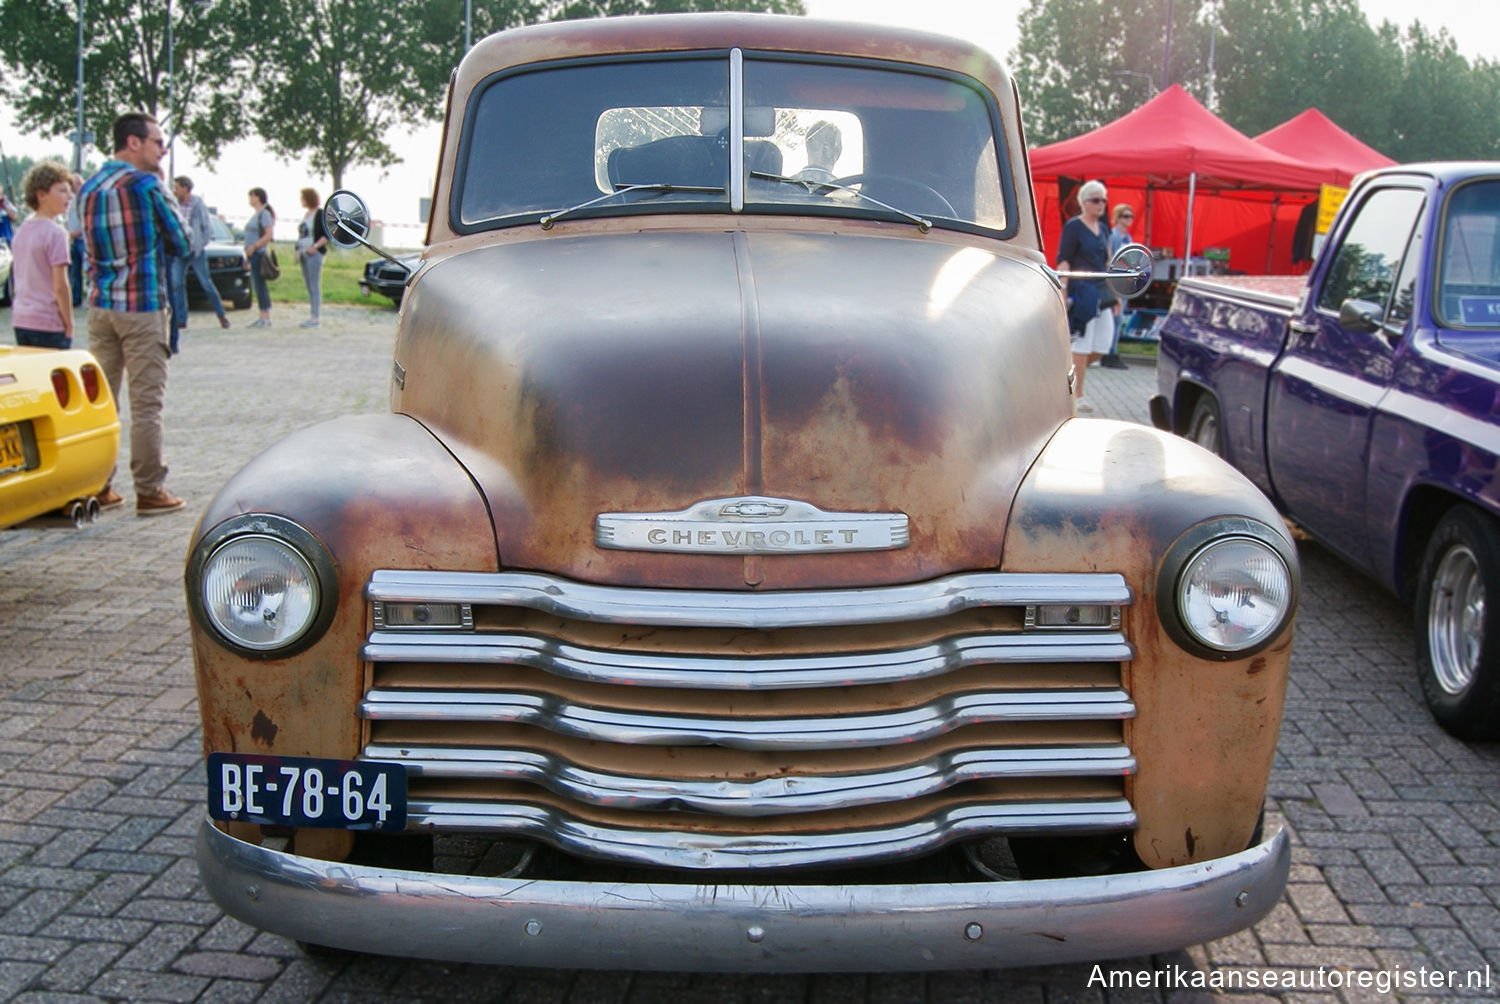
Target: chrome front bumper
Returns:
[[740, 928]]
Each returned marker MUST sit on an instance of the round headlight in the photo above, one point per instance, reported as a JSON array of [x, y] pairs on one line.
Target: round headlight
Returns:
[[1234, 594], [1228, 588], [263, 584], [259, 592]]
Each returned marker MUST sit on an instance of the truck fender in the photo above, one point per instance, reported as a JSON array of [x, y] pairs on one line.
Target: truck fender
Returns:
[[1110, 496], [376, 491]]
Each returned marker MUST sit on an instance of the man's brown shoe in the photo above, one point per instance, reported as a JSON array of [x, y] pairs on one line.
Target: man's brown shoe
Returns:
[[157, 502], [110, 499]]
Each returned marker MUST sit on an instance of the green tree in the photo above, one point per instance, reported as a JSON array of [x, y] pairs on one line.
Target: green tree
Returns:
[[1326, 56], [125, 66], [1409, 94], [1442, 108], [332, 78], [1082, 63]]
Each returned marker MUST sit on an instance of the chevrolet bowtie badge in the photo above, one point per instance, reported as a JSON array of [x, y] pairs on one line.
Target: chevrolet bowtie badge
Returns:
[[751, 524]]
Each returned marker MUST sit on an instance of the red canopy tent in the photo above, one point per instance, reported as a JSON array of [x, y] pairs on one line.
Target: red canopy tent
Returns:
[[1174, 160], [1315, 138]]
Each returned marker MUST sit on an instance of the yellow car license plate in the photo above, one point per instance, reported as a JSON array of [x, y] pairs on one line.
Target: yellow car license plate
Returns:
[[12, 449]]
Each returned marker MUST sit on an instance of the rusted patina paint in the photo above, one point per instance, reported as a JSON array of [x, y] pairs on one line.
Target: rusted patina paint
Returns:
[[1108, 496], [379, 492], [904, 392]]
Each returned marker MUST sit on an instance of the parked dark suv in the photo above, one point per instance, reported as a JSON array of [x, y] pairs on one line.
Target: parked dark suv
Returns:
[[226, 266], [388, 278]]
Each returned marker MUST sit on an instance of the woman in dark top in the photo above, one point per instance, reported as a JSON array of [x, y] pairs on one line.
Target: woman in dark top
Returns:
[[1085, 246], [258, 233]]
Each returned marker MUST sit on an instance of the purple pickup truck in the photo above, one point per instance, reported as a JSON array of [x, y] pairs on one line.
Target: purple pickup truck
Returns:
[[1364, 399]]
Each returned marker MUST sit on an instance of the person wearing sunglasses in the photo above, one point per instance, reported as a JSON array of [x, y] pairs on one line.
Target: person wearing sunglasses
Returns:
[[1119, 236], [1084, 246], [132, 229]]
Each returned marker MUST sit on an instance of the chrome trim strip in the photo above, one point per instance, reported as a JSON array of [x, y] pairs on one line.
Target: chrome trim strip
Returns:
[[756, 851], [906, 725], [707, 672], [736, 131], [792, 608], [740, 927], [762, 797], [752, 524]]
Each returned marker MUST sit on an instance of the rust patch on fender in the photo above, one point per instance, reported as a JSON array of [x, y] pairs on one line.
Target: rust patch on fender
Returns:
[[263, 729]]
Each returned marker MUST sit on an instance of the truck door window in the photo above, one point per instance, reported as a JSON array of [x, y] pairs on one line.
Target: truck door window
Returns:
[[1404, 293], [1370, 252], [1469, 281]]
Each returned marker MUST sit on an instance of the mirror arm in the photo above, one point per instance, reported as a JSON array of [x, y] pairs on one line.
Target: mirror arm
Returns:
[[360, 238]]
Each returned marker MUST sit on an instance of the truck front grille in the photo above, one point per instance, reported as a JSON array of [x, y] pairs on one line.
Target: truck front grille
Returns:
[[729, 730]]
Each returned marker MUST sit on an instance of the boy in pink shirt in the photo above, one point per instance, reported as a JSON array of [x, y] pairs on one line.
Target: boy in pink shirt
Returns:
[[42, 308]]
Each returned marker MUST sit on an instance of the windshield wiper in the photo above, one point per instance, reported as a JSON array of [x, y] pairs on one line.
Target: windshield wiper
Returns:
[[660, 188], [810, 186]]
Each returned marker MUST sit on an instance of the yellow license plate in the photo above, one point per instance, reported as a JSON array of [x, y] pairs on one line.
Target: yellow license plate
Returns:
[[12, 449]]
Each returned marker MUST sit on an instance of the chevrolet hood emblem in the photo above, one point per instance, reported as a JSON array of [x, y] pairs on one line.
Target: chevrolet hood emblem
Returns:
[[752, 524]]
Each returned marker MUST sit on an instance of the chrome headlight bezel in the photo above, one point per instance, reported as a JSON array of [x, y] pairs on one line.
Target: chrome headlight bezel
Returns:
[[1197, 543], [308, 551]]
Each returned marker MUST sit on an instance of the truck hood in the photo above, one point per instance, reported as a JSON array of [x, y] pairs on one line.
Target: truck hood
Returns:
[[650, 372]]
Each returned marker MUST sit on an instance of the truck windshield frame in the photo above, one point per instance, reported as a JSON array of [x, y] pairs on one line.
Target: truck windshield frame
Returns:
[[721, 131]]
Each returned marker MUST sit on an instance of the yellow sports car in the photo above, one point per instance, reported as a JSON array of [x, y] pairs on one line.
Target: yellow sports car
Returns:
[[59, 434]]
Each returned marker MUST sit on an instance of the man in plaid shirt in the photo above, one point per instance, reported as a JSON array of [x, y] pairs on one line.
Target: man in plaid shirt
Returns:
[[131, 226]]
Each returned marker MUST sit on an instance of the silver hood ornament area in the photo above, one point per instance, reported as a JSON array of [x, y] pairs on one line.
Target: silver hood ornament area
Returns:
[[751, 524]]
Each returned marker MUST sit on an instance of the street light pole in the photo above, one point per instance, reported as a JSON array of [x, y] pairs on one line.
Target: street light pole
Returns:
[[78, 135], [1166, 51], [171, 101]]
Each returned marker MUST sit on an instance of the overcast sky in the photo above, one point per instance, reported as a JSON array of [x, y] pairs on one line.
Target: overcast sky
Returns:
[[393, 195]]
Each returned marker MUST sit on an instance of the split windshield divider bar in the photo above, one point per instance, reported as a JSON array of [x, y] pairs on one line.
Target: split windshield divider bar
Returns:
[[736, 131]]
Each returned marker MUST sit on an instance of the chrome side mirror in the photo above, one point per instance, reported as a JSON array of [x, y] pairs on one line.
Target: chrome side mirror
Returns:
[[1130, 271], [346, 219]]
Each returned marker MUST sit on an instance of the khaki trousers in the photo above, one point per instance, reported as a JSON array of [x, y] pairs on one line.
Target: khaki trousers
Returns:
[[135, 344]]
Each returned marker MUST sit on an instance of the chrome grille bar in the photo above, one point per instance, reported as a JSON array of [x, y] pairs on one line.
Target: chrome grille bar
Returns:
[[557, 714], [689, 849], [707, 672], [788, 609], [448, 693], [763, 796]]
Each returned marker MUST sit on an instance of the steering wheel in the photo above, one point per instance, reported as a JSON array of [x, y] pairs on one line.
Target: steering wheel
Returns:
[[925, 193]]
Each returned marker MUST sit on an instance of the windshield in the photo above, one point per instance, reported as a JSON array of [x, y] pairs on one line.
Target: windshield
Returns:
[[1469, 280], [643, 135]]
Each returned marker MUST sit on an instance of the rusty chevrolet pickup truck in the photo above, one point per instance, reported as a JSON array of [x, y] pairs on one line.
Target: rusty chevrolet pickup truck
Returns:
[[730, 585]]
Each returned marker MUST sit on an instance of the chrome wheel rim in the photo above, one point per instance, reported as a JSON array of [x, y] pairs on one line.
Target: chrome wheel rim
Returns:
[[1206, 434], [1455, 620]]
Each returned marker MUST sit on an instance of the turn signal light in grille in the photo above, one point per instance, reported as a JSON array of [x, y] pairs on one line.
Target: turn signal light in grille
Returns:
[[424, 615], [1073, 615]]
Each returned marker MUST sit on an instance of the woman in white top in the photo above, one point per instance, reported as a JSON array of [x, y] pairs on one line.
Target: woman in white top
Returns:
[[312, 244]]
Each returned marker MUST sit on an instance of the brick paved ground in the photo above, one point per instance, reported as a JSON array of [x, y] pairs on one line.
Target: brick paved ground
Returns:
[[1396, 826]]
